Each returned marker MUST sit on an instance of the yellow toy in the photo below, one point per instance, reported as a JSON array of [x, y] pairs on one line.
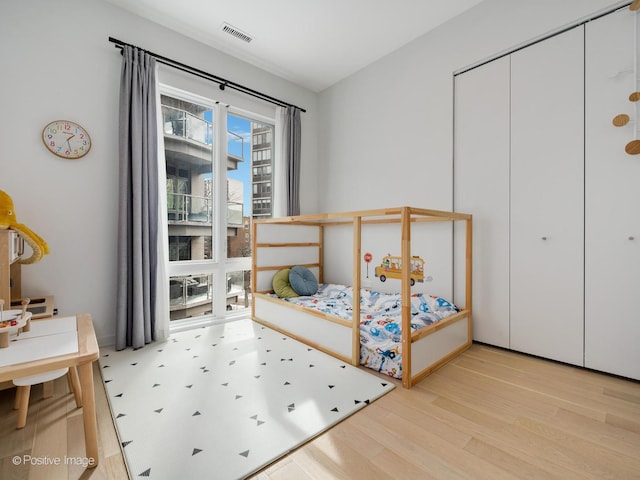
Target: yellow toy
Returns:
[[8, 220]]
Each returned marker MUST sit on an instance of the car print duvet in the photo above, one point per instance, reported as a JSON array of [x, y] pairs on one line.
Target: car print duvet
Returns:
[[380, 320]]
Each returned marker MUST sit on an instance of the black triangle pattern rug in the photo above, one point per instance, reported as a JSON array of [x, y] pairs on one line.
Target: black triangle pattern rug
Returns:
[[224, 401]]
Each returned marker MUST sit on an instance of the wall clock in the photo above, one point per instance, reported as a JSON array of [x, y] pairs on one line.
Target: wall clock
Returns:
[[66, 139]]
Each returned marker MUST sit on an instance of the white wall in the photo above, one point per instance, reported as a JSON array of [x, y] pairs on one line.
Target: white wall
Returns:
[[57, 63], [392, 121], [386, 132]]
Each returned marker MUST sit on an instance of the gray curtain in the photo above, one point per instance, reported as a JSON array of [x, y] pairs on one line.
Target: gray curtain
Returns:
[[138, 212], [291, 150]]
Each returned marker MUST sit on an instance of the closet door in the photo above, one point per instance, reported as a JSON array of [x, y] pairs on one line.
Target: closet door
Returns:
[[481, 188], [612, 216], [547, 195]]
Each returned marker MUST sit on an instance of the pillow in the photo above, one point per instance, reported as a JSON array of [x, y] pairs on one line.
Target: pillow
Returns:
[[303, 281], [281, 284]]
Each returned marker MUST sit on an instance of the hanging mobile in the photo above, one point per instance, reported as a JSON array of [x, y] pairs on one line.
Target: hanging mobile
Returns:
[[633, 147]]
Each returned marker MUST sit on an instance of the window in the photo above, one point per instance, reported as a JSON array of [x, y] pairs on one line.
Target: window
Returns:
[[218, 166], [179, 248], [190, 296], [261, 137], [262, 189]]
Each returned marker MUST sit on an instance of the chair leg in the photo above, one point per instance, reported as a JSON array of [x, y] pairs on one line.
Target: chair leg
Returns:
[[74, 385], [17, 400], [22, 396], [47, 389]]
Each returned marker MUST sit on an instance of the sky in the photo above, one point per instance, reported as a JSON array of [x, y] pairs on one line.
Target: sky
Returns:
[[242, 127]]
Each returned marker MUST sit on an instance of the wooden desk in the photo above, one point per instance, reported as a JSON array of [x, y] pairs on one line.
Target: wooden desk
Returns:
[[87, 353]]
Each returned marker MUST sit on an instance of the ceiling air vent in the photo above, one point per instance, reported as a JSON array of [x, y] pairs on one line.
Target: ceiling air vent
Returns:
[[231, 30]]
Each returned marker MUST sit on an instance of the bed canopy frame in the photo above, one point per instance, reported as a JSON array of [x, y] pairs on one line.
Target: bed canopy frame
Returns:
[[279, 243]]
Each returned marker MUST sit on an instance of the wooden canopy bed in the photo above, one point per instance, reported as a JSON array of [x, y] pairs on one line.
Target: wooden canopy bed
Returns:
[[281, 243]]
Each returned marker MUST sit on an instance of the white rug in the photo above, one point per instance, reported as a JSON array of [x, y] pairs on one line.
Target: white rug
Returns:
[[222, 402]]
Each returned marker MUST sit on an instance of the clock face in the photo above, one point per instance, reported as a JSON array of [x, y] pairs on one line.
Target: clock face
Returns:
[[66, 139]]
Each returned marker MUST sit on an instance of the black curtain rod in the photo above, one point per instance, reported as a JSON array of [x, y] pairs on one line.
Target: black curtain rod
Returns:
[[222, 82]]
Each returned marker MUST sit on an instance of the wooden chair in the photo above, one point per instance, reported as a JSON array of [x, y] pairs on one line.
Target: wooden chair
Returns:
[[24, 389]]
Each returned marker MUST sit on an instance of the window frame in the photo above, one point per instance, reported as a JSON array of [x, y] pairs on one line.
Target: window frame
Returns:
[[219, 266]]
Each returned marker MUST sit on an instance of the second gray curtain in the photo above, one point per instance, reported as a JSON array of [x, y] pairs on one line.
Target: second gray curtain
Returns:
[[138, 198], [291, 149]]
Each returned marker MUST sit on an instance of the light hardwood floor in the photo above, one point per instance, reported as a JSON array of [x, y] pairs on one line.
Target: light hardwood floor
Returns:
[[488, 414]]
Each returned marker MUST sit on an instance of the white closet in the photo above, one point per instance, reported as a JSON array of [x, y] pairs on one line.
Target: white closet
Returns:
[[547, 181], [481, 176], [612, 200], [554, 267]]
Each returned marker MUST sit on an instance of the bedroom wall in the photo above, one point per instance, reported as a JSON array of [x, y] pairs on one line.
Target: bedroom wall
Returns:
[[386, 132], [57, 63]]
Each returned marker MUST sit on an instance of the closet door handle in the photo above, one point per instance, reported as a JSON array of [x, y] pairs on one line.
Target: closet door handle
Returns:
[[544, 238], [631, 237]]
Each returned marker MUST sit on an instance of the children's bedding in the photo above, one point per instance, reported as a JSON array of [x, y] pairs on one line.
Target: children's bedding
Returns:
[[380, 320]]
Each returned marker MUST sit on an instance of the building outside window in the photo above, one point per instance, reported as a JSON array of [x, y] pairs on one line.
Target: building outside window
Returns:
[[210, 203]]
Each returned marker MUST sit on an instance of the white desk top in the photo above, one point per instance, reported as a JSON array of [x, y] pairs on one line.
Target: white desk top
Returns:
[[47, 338]]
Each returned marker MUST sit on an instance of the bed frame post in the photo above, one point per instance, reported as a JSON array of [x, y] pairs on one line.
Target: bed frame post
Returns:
[[405, 226], [355, 299]]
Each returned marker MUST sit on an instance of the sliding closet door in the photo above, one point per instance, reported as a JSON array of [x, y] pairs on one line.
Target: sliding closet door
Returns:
[[547, 195], [481, 188], [612, 217]]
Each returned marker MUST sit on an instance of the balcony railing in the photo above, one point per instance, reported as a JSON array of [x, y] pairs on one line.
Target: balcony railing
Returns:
[[234, 213], [181, 123], [259, 211], [189, 291], [235, 138], [184, 208], [262, 178]]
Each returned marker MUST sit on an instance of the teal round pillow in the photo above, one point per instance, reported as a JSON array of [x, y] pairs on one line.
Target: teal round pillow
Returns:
[[281, 284], [303, 281]]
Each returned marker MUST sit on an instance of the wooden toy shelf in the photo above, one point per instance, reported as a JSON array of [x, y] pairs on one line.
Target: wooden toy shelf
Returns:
[[11, 249]]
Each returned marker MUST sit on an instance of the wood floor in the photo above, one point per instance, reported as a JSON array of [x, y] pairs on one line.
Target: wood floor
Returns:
[[488, 414]]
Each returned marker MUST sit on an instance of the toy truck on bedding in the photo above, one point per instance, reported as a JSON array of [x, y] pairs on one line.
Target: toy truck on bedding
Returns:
[[391, 267]]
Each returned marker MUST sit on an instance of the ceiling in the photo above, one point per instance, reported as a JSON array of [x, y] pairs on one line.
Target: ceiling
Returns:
[[311, 43]]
